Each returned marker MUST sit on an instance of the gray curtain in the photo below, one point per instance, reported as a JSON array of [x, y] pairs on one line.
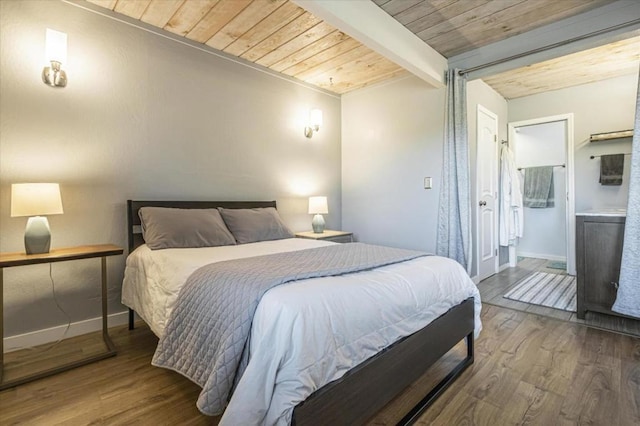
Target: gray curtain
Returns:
[[628, 299], [454, 215]]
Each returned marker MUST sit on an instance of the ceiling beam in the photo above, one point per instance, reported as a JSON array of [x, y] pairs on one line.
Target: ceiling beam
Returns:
[[597, 27], [367, 23]]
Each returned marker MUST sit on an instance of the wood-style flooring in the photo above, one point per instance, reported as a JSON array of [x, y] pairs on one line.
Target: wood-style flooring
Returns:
[[529, 369], [493, 288]]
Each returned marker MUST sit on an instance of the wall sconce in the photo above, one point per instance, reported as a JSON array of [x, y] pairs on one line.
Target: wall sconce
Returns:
[[36, 200], [315, 121], [56, 55]]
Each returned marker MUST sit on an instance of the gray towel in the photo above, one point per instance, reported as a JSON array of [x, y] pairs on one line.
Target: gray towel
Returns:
[[538, 187], [611, 169]]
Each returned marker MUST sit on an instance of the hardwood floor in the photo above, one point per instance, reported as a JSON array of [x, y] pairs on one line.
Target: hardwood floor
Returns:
[[529, 369], [124, 389]]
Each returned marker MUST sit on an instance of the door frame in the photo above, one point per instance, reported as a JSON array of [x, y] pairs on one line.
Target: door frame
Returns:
[[570, 221], [496, 154]]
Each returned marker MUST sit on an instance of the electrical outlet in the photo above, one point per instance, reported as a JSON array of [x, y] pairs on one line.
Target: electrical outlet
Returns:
[[428, 183]]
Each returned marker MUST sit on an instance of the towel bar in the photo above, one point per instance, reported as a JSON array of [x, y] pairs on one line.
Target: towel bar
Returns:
[[594, 156]]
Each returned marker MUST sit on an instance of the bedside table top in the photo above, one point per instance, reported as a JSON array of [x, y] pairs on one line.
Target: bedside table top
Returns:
[[59, 255], [321, 236]]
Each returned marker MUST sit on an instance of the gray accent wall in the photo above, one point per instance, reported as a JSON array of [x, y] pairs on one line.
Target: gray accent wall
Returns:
[[142, 117], [604, 106], [391, 140]]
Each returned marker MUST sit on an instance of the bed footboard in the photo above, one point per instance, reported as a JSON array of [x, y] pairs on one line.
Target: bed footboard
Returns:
[[364, 390]]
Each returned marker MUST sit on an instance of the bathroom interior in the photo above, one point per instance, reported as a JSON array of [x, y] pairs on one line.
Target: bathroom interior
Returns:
[[568, 257]]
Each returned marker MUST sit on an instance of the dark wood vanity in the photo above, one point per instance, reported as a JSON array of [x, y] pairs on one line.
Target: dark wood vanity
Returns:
[[599, 237]]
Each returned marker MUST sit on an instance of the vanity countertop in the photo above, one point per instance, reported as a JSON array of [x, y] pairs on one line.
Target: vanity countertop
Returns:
[[604, 212]]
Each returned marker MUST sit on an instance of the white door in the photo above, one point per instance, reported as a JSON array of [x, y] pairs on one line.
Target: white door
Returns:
[[487, 193]]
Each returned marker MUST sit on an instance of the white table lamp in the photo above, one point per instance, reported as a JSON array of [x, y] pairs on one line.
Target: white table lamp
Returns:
[[318, 207], [36, 200]]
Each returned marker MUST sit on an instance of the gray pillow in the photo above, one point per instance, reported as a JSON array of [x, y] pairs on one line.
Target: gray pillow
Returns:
[[181, 228], [251, 225]]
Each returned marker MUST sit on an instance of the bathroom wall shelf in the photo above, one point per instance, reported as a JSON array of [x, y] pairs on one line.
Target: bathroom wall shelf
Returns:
[[599, 137]]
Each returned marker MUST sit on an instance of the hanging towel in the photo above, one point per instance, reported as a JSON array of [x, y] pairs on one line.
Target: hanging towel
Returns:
[[538, 187], [511, 212], [611, 169]]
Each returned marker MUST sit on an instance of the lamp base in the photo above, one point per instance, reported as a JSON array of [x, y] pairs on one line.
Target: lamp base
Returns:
[[318, 224], [37, 235]]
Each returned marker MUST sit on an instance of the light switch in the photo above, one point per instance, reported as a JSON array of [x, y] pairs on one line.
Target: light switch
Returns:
[[428, 184]]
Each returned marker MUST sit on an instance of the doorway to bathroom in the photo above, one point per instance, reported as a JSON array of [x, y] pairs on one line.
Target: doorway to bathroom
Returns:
[[549, 228]]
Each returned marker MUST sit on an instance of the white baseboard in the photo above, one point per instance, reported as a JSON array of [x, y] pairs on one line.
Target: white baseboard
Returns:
[[53, 334], [476, 279], [504, 266], [542, 256]]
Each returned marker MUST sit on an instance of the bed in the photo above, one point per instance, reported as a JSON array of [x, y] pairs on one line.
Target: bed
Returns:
[[359, 387]]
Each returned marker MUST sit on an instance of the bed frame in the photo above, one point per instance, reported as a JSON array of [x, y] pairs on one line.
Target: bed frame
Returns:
[[368, 387]]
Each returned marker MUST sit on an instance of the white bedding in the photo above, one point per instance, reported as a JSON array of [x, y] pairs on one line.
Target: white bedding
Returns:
[[307, 333]]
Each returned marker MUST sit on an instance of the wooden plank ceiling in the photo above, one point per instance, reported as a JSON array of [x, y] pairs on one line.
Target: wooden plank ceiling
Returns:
[[276, 34], [612, 60], [453, 27], [283, 37]]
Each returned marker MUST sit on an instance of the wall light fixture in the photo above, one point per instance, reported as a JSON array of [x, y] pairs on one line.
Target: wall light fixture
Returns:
[[315, 121], [56, 55]]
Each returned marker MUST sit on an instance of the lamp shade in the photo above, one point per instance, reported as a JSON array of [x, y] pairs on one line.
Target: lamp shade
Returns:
[[56, 46], [315, 118], [318, 205], [35, 199]]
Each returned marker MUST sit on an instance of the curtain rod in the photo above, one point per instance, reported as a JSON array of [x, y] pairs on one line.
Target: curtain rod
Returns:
[[548, 47]]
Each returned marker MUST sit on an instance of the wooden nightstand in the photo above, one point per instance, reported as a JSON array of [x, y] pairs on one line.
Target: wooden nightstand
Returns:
[[8, 260], [327, 235]]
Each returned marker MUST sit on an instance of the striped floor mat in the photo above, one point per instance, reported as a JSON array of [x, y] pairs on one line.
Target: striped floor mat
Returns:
[[541, 288]]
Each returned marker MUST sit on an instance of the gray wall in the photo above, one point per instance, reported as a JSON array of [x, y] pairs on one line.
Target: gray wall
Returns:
[[392, 139], [604, 106], [148, 118]]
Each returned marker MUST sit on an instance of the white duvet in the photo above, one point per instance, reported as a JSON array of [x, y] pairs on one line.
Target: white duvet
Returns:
[[307, 333]]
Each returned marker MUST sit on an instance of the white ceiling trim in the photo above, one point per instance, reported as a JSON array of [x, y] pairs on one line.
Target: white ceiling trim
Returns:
[[367, 23]]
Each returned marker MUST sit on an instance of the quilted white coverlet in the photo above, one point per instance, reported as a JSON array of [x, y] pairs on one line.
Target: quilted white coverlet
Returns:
[[308, 333], [210, 324]]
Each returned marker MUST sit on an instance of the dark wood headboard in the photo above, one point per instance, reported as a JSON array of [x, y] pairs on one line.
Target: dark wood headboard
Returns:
[[134, 233]]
